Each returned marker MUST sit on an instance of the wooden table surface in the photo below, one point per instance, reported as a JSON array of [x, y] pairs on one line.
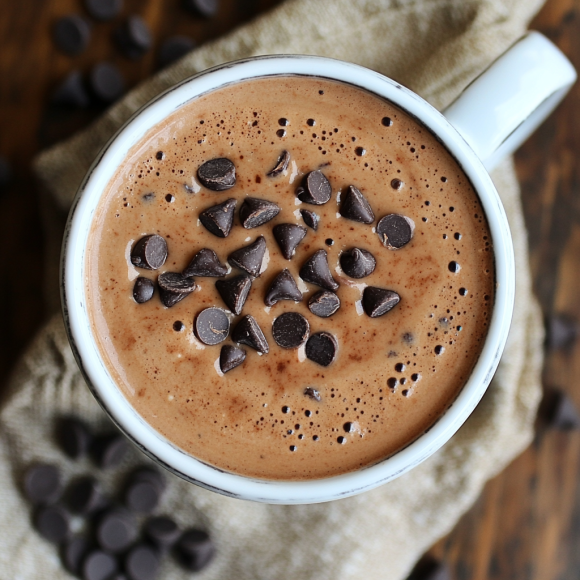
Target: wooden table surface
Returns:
[[526, 524]]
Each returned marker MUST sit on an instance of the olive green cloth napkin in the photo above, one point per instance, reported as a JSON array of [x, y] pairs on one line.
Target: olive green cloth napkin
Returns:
[[435, 47]]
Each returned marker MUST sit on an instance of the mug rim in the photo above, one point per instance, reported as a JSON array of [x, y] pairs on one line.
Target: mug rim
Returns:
[[118, 407]]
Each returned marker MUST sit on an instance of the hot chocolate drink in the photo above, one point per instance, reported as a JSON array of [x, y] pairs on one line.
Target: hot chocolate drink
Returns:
[[290, 278]]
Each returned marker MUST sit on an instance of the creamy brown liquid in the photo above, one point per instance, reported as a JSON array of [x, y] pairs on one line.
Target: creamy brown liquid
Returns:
[[235, 421]]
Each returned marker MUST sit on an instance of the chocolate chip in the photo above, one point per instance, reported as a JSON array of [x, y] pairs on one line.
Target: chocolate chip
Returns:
[[84, 495], [378, 301], [231, 357], [42, 484], [288, 237], [283, 287], [355, 207], [396, 183], [256, 212], [324, 303], [321, 348], [143, 290], [74, 436], [109, 450], [174, 48], [357, 263], [248, 332], [281, 165], [72, 34], [149, 475], [161, 530], [290, 330], [142, 562], [316, 271], [74, 552], [217, 174], [234, 292], [99, 565], [176, 282], [205, 8], [315, 189], [206, 264], [310, 218], [116, 530], [212, 326], [558, 411], [195, 550], [149, 253], [52, 523], [103, 9], [169, 299], [142, 496], [562, 331], [249, 258], [395, 230], [312, 393], [219, 218], [133, 37], [71, 91], [107, 82]]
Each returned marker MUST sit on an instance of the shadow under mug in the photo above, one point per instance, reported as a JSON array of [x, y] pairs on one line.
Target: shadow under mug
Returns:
[[489, 120]]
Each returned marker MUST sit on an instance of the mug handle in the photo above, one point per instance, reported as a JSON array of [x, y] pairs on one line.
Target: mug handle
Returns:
[[504, 105]]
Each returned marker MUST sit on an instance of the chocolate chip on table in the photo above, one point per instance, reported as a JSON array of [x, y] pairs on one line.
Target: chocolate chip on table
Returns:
[[281, 165], [256, 212], [161, 530], [219, 218], [205, 8], [310, 218], [52, 523], [143, 290], [231, 357], [174, 48], [72, 34], [73, 436], [315, 189], [316, 271], [290, 330], [234, 292], [288, 237], [42, 484], [562, 331], [312, 393], [212, 326], [104, 9], [283, 287], [248, 332], [378, 301], [149, 253], [71, 91], [133, 37], [74, 552], [99, 565], [150, 475], [324, 303], [395, 230], [206, 264], [142, 497], [84, 496], [142, 562], [321, 348], [250, 257], [116, 530], [217, 174], [357, 263], [109, 450], [355, 207], [107, 82], [195, 550]]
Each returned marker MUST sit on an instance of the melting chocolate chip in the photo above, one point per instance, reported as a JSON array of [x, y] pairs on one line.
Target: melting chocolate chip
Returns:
[[42, 484], [174, 48], [74, 437], [149, 253], [72, 34], [329, 242], [316, 271], [290, 330], [212, 326], [176, 283], [378, 301], [84, 496], [355, 207], [313, 393], [107, 82], [74, 552], [142, 562], [116, 530], [195, 550], [103, 9], [72, 91], [321, 348], [52, 523], [143, 290], [357, 263], [234, 292], [170, 299], [231, 357], [249, 258], [247, 331], [133, 37], [288, 237], [283, 287], [109, 450], [99, 565], [315, 189], [324, 303], [310, 218], [395, 230], [161, 530], [256, 212], [206, 264], [205, 8], [219, 219], [217, 174], [281, 165], [396, 183]]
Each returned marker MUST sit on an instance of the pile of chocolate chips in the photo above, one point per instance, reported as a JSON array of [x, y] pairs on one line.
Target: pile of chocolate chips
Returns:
[[122, 538], [291, 329]]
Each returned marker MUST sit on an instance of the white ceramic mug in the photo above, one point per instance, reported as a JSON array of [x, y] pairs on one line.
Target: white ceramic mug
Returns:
[[488, 121]]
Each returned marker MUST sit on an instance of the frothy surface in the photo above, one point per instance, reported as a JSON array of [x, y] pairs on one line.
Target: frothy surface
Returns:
[[388, 384]]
